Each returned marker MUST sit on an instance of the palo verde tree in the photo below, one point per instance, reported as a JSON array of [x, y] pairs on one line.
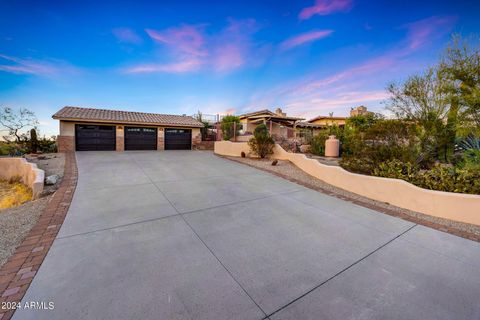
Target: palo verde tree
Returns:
[[16, 121]]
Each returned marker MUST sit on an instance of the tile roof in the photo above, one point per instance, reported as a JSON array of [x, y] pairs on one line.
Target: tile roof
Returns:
[[327, 117], [91, 114]]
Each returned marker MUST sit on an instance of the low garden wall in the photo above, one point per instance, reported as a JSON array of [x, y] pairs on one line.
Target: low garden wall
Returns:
[[30, 175], [448, 205]]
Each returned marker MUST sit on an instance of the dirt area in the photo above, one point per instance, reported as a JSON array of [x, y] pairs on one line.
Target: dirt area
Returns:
[[293, 173], [15, 223]]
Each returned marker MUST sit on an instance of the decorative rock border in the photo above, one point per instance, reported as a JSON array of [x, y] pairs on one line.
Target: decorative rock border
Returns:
[[18, 272], [29, 173]]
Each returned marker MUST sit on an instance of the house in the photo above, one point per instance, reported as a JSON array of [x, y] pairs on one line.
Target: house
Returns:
[[83, 129], [278, 123], [358, 111], [330, 120]]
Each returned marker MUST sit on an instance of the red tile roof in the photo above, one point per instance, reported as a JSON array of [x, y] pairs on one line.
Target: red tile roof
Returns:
[[104, 115]]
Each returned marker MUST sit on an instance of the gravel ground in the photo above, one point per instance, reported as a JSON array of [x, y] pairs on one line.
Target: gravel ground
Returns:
[[286, 168], [15, 223]]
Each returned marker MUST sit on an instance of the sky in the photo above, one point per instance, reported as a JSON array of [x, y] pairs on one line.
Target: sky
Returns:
[[307, 57]]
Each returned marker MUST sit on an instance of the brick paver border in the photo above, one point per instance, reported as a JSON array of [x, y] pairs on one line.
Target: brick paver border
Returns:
[[18, 272], [394, 213]]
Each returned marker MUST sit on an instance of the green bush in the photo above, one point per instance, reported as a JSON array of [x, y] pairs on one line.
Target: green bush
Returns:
[[440, 177], [262, 143], [317, 144], [396, 169], [230, 126], [358, 165]]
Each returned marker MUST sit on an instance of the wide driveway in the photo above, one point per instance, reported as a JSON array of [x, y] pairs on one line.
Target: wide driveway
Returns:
[[188, 235]]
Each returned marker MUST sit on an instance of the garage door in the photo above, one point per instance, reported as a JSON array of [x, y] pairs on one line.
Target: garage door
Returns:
[[138, 138], [92, 137], [178, 139]]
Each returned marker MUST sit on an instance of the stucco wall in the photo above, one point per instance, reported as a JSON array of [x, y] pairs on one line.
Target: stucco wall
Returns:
[[30, 175], [454, 206]]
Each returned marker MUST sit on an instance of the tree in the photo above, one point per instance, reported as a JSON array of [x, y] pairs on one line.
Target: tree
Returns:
[[262, 143], [460, 69], [423, 100], [230, 126], [16, 121]]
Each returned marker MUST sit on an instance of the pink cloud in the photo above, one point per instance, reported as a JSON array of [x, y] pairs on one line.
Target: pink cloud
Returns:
[[176, 67], [127, 35], [35, 67], [186, 39], [325, 7], [424, 31], [190, 48], [305, 38]]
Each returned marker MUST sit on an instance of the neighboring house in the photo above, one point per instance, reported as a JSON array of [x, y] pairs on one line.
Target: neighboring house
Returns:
[[358, 111], [326, 121], [84, 129], [278, 122]]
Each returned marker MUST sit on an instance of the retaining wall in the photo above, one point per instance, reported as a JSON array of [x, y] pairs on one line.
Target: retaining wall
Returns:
[[449, 205], [28, 172]]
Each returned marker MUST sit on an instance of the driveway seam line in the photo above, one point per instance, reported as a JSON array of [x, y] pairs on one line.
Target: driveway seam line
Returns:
[[221, 263], [340, 272], [165, 217], [206, 246]]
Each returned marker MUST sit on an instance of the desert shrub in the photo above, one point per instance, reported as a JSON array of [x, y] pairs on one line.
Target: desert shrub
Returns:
[[358, 165], [47, 145], [396, 169], [262, 143], [317, 144], [13, 194], [441, 177]]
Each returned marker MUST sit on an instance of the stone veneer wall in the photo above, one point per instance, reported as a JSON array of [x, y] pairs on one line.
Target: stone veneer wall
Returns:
[[120, 143], [65, 143], [28, 172], [161, 139]]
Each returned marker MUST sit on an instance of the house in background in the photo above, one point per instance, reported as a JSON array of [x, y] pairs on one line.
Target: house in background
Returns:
[[278, 123], [87, 129]]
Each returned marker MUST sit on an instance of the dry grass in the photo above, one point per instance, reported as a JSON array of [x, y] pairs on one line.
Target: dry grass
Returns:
[[13, 194]]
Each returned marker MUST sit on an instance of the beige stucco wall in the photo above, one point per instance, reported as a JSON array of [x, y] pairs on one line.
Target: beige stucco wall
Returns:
[[28, 172], [454, 206], [329, 122], [67, 128]]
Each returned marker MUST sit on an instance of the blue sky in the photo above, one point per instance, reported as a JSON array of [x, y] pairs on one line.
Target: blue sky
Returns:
[[308, 57]]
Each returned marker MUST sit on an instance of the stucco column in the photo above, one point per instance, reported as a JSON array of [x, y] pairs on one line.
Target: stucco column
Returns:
[[160, 139], [120, 145], [66, 138], [196, 137]]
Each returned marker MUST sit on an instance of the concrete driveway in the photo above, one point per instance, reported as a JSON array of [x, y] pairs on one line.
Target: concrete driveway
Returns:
[[188, 235]]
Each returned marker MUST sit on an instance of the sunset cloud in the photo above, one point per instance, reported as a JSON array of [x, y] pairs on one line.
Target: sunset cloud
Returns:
[[126, 35], [426, 31], [191, 48], [305, 38], [325, 7], [35, 67]]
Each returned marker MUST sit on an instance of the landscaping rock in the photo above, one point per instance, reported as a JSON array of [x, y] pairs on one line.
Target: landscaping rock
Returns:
[[51, 180]]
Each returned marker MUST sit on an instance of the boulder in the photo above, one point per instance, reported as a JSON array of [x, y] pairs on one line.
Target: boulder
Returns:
[[51, 180]]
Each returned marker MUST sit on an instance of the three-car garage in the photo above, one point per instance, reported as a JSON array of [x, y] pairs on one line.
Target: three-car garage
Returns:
[[86, 129]]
